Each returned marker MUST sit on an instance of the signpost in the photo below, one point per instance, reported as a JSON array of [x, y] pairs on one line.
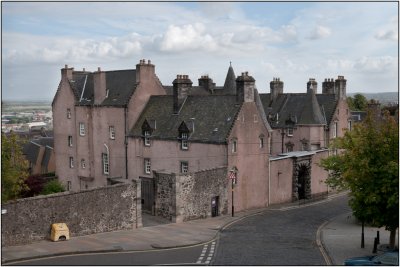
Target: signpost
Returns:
[[232, 177]]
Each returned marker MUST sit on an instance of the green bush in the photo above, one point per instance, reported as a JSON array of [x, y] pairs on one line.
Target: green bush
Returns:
[[51, 187]]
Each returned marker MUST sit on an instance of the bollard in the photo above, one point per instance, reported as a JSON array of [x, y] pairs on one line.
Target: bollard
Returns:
[[375, 245], [377, 237]]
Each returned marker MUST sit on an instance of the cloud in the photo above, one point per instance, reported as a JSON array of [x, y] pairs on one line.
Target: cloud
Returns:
[[391, 35], [320, 32], [187, 37], [376, 64], [55, 50]]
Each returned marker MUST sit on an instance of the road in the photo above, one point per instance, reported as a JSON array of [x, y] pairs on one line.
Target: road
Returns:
[[286, 237], [276, 237]]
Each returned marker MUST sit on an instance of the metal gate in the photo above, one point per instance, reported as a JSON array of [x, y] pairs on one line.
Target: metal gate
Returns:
[[148, 191]]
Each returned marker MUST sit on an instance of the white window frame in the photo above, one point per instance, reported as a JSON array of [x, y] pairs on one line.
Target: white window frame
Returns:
[[111, 130], [82, 131], [83, 164], [289, 131], [147, 166], [70, 140], [184, 141], [106, 163], [146, 138], [184, 166], [68, 113], [234, 145], [71, 162], [261, 139], [334, 130]]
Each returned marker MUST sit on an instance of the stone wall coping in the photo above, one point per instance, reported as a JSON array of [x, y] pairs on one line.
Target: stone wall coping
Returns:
[[296, 154], [61, 194]]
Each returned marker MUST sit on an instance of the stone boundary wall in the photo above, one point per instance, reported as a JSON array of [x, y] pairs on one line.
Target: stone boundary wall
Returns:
[[85, 212], [188, 197]]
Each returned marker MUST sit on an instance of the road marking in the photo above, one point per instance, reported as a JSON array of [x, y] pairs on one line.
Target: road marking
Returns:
[[208, 255], [321, 246]]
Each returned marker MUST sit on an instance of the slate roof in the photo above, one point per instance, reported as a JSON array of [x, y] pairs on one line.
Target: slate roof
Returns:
[[229, 87], [213, 116], [32, 148], [47, 155], [120, 83], [302, 108]]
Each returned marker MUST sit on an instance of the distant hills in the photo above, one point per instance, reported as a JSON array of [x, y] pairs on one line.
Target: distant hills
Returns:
[[384, 97]]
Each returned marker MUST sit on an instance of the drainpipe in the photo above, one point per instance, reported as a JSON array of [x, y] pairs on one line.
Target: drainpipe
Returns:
[[269, 181], [126, 143]]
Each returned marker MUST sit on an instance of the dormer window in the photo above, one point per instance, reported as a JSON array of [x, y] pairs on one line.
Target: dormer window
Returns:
[[147, 135], [290, 132], [147, 131], [184, 141]]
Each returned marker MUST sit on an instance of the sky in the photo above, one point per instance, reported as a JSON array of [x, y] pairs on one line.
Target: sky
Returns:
[[294, 41]]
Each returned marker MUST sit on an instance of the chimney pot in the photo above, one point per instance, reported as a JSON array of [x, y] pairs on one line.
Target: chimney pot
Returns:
[[149, 61], [66, 66]]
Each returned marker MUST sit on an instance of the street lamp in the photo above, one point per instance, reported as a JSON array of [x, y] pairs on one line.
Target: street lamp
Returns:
[[233, 177]]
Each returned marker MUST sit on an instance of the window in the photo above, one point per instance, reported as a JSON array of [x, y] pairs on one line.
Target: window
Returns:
[[83, 164], [147, 166], [289, 131], [349, 124], [184, 167], [255, 118], [289, 147], [146, 138], [234, 146], [68, 113], [106, 164], [184, 141], [69, 140], [334, 130], [112, 132], [69, 185], [71, 162], [261, 141], [81, 129]]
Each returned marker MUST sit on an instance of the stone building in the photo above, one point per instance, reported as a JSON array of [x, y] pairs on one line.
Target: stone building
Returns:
[[92, 113], [40, 154], [184, 142]]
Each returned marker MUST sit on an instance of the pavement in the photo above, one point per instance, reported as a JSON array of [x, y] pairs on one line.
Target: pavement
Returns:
[[338, 238]]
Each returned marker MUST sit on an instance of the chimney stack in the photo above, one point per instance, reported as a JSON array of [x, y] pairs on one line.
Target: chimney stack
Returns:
[[207, 83], [340, 88], [99, 85], [312, 85], [328, 86], [245, 88], [66, 73], [144, 70], [181, 88], [276, 88]]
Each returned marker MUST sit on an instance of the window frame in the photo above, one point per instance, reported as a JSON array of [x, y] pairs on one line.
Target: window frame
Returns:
[[184, 141], [111, 130], [106, 163], [184, 167], [147, 135], [70, 143], [83, 163], [147, 166], [289, 131], [82, 130], [234, 146], [261, 141], [68, 113], [71, 162]]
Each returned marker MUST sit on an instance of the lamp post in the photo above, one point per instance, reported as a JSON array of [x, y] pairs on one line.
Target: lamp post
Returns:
[[233, 177]]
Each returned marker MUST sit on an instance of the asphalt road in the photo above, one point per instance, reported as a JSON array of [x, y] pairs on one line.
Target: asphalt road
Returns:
[[277, 237]]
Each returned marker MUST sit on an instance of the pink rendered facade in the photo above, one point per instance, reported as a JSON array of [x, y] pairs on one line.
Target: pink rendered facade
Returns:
[[250, 158], [83, 134]]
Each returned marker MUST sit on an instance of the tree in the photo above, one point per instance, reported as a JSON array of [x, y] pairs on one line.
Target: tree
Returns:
[[368, 165], [357, 103], [13, 167]]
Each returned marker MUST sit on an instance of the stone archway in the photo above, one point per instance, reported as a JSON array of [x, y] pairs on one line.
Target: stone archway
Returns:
[[301, 178]]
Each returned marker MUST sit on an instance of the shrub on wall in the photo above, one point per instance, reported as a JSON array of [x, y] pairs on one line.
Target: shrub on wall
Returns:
[[51, 187]]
